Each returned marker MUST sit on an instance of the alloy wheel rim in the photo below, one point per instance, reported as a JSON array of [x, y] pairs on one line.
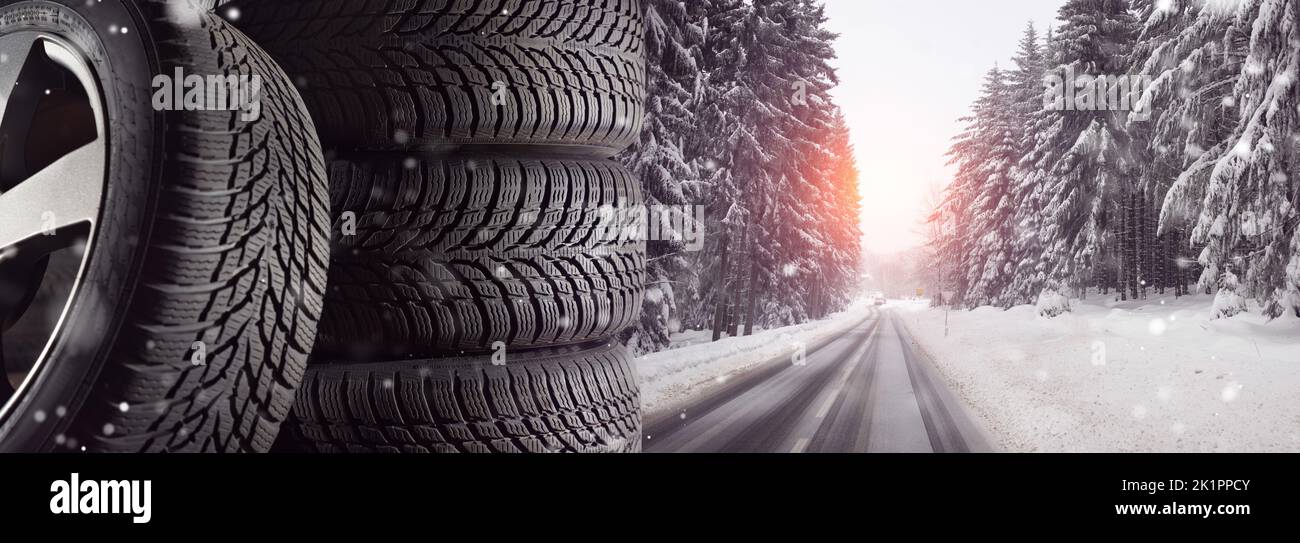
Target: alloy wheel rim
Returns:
[[53, 163]]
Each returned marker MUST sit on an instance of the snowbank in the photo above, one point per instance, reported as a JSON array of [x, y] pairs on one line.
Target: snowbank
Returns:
[[1154, 376], [672, 379]]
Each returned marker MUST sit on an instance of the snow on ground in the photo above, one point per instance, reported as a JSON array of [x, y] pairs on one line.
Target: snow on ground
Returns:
[[671, 379], [690, 338], [1153, 376]]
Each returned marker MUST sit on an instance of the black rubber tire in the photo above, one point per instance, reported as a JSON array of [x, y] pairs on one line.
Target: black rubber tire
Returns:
[[421, 74], [565, 400], [215, 229], [451, 255]]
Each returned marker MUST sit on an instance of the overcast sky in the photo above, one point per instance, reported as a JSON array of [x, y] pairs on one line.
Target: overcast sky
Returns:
[[908, 71]]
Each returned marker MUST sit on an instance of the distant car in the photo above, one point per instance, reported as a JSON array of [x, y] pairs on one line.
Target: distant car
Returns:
[[880, 300]]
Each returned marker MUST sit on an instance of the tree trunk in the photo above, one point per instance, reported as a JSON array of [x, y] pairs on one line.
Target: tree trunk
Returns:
[[720, 298], [753, 294], [733, 317]]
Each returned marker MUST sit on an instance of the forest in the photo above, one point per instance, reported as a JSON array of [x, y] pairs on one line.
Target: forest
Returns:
[[1192, 190], [739, 120]]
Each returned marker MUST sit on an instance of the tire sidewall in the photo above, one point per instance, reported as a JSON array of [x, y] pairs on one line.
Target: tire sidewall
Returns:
[[124, 63]]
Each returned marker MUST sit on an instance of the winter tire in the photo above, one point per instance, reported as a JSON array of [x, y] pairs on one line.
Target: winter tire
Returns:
[[450, 73], [441, 256], [566, 400], [189, 246]]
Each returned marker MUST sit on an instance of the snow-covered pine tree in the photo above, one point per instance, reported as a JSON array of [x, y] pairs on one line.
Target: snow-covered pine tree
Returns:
[[930, 258], [1024, 269], [949, 223], [842, 260], [661, 161], [985, 154], [1026, 82], [775, 168], [1181, 48], [723, 143], [1249, 216], [1228, 301], [1080, 158], [796, 273], [766, 113]]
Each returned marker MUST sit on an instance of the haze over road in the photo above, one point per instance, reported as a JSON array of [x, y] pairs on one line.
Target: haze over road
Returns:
[[866, 391]]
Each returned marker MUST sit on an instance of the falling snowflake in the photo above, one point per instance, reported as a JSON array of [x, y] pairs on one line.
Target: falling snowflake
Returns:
[[1231, 392], [1139, 412]]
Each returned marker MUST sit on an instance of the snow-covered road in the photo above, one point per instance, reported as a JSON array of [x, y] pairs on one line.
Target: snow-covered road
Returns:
[[865, 390]]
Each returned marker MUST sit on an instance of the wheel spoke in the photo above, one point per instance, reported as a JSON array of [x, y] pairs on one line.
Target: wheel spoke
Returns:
[[14, 50], [63, 194]]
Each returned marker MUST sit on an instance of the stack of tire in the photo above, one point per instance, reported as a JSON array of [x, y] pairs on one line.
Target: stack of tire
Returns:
[[474, 293]]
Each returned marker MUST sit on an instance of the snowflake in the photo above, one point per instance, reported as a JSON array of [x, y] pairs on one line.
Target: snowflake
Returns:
[[1139, 412], [1231, 392]]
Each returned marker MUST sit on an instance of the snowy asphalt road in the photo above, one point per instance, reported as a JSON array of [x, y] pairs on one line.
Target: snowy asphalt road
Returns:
[[867, 391]]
